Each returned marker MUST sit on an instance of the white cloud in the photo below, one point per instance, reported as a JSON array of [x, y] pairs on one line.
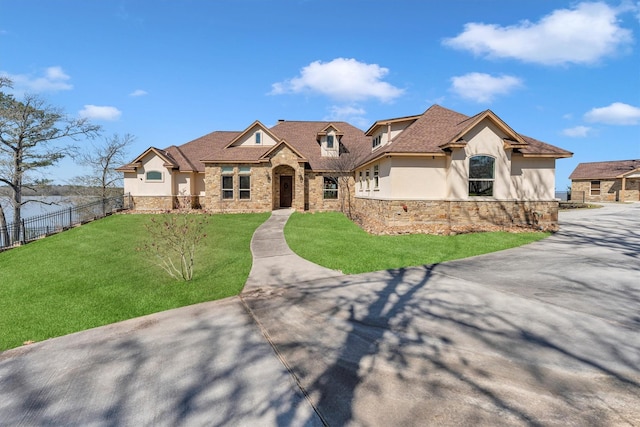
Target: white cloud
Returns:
[[581, 35], [97, 112], [617, 113], [341, 79], [348, 113], [577, 132], [139, 92], [480, 87], [53, 80]]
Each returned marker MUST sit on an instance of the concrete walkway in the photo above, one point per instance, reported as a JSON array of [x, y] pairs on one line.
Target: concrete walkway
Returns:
[[274, 264], [545, 334]]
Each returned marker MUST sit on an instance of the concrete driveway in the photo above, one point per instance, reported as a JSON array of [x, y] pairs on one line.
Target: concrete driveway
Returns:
[[545, 334]]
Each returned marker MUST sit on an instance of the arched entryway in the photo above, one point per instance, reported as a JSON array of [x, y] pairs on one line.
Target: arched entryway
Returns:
[[283, 186]]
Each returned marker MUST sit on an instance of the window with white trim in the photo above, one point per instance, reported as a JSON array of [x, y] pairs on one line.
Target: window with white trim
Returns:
[[153, 176], [245, 182], [330, 188], [227, 182], [258, 138], [376, 174], [360, 186], [481, 176], [367, 178]]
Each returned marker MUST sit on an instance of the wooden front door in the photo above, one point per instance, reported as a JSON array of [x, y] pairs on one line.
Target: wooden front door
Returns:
[[286, 191]]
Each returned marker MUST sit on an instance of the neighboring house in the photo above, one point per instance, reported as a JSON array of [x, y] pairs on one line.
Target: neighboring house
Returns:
[[616, 181], [434, 172]]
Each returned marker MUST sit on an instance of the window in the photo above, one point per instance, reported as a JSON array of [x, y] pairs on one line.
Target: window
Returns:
[[595, 188], [330, 188], [245, 183], [258, 138], [481, 176], [329, 141], [227, 182], [360, 181], [367, 178], [375, 177], [376, 141], [154, 176]]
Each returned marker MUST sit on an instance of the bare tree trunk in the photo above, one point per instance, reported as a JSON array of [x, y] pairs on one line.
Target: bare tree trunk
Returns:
[[16, 189], [4, 233]]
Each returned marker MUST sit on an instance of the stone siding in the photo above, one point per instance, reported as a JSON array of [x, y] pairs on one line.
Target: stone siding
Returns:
[[153, 203], [610, 190], [446, 217], [315, 200], [261, 190]]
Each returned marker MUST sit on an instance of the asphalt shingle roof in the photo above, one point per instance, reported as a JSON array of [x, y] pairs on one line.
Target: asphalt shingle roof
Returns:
[[604, 170], [429, 131]]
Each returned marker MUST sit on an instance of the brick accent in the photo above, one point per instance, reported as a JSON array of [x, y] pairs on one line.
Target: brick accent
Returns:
[[447, 217]]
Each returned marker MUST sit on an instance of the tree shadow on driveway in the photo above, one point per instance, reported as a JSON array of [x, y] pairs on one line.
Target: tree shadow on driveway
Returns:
[[208, 366], [415, 347]]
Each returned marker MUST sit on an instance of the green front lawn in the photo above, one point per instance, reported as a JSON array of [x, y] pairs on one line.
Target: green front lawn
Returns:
[[331, 240], [93, 275]]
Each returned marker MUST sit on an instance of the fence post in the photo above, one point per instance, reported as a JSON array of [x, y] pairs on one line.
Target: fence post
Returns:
[[70, 217], [24, 232]]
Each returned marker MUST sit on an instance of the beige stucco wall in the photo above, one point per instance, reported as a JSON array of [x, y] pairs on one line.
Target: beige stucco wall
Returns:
[[136, 184], [249, 138], [533, 178], [418, 178], [484, 139], [325, 151], [182, 183], [389, 132]]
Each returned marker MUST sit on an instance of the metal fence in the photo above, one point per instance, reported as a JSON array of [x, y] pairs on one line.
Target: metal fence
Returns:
[[40, 226]]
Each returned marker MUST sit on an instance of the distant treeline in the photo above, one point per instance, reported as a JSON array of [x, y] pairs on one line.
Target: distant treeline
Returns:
[[61, 190]]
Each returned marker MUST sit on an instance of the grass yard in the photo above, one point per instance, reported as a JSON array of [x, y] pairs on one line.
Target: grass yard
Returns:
[[331, 240], [92, 275]]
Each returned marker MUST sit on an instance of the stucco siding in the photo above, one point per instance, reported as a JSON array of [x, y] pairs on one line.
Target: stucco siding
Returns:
[[533, 178], [249, 138], [487, 139], [417, 178], [137, 184]]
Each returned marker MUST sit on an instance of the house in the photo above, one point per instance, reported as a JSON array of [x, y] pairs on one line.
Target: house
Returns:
[[434, 172], [614, 181]]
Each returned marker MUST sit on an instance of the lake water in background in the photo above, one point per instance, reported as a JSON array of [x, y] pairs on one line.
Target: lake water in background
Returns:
[[41, 205]]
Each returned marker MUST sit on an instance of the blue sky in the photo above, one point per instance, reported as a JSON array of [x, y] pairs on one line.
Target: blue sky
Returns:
[[564, 72]]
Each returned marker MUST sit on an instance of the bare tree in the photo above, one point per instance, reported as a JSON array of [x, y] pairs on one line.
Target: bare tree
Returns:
[[102, 160], [173, 239], [342, 169], [28, 129]]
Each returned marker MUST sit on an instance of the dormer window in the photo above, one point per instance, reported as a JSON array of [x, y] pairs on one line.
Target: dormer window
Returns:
[[376, 141], [258, 138], [329, 141]]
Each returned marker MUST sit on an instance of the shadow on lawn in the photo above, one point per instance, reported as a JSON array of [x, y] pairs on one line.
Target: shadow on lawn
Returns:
[[403, 347]]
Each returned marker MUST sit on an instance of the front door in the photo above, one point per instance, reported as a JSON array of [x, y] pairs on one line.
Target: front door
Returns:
[[286, 191]]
